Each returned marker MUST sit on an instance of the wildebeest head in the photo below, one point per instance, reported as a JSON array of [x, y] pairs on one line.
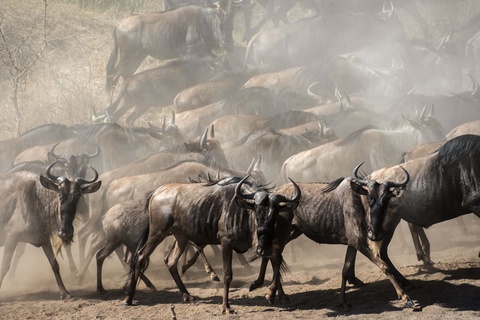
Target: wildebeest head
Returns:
[[378, 196], [266, 207], [209, 147], [169, 135], [74, 165], [69, 193]]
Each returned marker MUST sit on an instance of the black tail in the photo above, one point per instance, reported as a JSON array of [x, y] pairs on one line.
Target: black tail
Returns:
[[111, 64], [138, 247]]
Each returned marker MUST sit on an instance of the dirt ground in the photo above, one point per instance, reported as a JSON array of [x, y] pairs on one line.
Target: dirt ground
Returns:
[[453, 292]]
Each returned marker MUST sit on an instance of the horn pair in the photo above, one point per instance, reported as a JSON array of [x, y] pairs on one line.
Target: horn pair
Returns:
[[390, 184], [80, 181]]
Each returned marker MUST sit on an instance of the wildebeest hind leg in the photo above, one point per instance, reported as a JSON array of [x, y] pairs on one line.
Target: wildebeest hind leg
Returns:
[[171, 260]]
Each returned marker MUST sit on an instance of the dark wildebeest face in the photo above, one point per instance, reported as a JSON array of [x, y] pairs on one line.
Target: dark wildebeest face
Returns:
[[69, 193], [378, 196], [266, 207], [210, 148]]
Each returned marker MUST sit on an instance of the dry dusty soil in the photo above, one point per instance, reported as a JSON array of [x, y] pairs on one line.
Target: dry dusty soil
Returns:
[[452, 292]]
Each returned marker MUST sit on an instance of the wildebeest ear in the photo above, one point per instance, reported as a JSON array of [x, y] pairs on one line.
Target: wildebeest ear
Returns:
[[397, 191], [49, 184], [358, 188], [244, 204], [91, 187]]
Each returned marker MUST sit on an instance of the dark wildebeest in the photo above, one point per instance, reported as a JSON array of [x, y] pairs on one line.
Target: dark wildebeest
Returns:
[[341, 212], [205, 148], [158, 87], [217, 213], [443, 185], [193, 30], [45, 134], [124, 222], [38, 211]]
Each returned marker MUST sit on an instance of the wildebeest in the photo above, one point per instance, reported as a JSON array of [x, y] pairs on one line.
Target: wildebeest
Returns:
[[443, 185], [205, 148], [193, 30], [124, 222], [274, 147], [378, 148], [45, 134], [217, 88], [216, 213], [38, 210], [158, 87], [342, 212], [472, 127], [310, 39]]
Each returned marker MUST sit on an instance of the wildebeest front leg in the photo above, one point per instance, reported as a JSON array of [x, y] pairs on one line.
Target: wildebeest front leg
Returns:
[[261, 275], [407, 302], [47, 249], [227, 253], [171, 260]]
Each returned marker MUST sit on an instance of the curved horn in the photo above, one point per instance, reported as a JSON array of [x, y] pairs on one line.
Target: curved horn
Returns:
[[163, 124], [356, 177], [400, 184], [474, 84], [238, 190], [49, 174], [97, 152], [309, 90], [298, 193], [99, 118], [212, 132], [173, 116], [52, 151], [82, 181], [203, 139], [422, 114], [218, 175], [257, 164], [430, 114], [251, 166]]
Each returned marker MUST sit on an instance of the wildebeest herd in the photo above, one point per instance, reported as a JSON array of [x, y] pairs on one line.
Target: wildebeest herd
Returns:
[[262, 140]]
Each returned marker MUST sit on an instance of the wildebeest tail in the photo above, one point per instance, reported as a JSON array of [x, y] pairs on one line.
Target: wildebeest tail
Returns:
[[138, 248], [111, 64]]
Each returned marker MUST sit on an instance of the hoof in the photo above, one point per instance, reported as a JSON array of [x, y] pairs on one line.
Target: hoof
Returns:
[[188, 298], [270, 299], [228, 311], [284, 299], [413, 305], [254, 286], [101, 291], [216, 278], [65, 296], [356, 282], [345, 306], [128, 301], [152, 289]]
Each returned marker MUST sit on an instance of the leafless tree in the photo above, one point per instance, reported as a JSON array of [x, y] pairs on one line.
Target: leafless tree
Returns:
[[19, 53]]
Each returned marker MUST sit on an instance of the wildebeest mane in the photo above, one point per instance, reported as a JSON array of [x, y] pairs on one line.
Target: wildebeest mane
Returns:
[[455, 150], [234, 179], [263, 101], [290, 119], [354, 136], [332, 185]]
